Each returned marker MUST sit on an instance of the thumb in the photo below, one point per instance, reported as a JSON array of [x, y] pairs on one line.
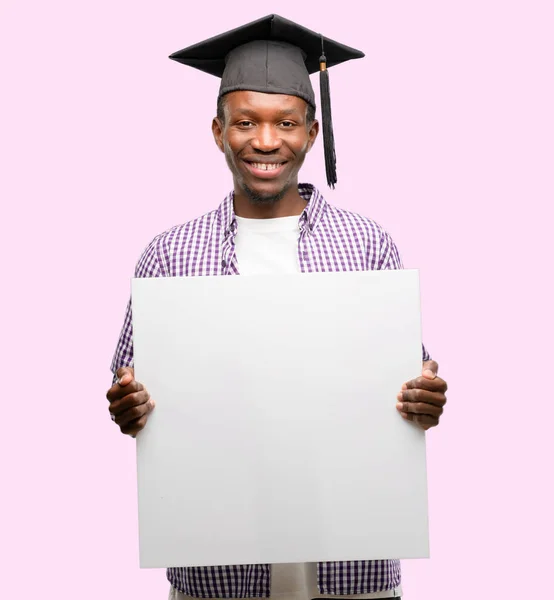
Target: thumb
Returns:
[[125, 375], [430, 369]]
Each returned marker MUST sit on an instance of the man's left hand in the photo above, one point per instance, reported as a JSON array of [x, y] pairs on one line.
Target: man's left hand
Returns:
[[422, 399]]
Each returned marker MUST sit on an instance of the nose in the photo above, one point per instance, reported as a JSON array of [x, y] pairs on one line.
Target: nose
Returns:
[[266, 139]]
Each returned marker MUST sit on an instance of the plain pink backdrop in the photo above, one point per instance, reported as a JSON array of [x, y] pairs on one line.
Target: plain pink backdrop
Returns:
[[444, 135]]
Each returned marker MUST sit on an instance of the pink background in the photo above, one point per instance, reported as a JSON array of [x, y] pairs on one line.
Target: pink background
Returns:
[[444, 135]]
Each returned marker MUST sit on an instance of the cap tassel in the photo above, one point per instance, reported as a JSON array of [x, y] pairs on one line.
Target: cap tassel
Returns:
[[328, 136]]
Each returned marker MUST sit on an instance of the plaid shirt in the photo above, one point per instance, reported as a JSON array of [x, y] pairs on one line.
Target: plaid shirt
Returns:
[[331, 239]]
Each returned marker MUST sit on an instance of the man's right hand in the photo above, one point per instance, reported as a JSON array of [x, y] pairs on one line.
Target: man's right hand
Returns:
[[130, 402]]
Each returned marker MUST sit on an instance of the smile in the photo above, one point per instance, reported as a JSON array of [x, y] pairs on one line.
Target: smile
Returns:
[[266, 167], [265, 170]]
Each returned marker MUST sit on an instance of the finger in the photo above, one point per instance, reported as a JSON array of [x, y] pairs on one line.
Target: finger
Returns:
[[125, 375], [432, 366], [433, 385], [424, 421], [125, 379], [116, 392], [134, 427], [129, 401], [419, 395], [419, 408], [125, 370], [134, 413]]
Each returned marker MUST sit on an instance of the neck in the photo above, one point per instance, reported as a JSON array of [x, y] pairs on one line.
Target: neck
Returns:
[[289, 205]]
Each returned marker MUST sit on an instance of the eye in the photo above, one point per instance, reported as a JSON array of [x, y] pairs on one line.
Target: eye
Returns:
[[287, 124], [245, 124]]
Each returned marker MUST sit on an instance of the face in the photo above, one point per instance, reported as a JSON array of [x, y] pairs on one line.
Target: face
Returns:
[[265, 138]]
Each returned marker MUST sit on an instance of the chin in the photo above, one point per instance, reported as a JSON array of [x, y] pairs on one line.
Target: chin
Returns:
[[265, 194]]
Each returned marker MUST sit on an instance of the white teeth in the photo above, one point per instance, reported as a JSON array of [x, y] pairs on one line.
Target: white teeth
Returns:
[[266, 167]]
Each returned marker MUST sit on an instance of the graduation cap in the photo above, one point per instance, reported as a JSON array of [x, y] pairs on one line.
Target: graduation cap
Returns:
[[275, 56]]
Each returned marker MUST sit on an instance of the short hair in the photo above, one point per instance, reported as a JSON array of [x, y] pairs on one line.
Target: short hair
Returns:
[[310, 111]]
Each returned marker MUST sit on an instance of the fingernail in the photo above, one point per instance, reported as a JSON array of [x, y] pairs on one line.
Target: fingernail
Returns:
[[429, 373], [399, 406], [404, 387], [400, 396]]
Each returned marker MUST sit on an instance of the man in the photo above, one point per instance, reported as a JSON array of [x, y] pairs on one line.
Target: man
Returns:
[[265, 126]]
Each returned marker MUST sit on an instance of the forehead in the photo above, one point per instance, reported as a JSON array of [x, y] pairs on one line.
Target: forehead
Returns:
[[263, 102]]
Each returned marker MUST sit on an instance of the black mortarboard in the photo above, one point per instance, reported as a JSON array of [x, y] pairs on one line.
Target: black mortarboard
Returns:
[[275, 56]]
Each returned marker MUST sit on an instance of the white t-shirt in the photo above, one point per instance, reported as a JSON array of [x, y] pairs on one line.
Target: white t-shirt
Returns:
[[265, 246]]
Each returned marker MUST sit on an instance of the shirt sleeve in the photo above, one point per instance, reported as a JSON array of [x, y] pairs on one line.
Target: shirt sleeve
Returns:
[[148, 265], [389, 258]]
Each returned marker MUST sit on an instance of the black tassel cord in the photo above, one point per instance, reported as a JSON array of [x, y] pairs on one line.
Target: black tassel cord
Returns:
[[328, 136]]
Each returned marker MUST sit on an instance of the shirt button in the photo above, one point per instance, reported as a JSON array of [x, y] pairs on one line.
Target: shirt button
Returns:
[[223, 263]]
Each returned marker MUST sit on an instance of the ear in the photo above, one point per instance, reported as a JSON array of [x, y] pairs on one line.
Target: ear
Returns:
[[217, 130], [312, 134]]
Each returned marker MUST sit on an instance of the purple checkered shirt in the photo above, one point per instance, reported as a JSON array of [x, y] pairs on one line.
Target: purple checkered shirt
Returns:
[[331, 239]]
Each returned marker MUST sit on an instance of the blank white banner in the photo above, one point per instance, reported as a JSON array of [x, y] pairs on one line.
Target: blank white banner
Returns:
[[275, 436]]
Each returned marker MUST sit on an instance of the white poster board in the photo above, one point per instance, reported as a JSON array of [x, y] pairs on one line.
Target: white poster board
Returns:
[[275, 436]]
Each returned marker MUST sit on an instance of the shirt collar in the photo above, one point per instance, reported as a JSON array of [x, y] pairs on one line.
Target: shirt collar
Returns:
[[309, 218]]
